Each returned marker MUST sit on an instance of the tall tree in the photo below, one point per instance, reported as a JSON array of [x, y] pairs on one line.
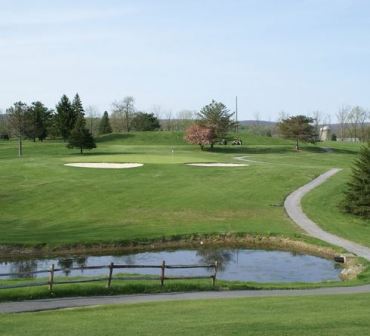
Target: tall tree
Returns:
[[122, 114], [77, 106], [104, 126], [92, 119], [342, 119], [144, 122], [80, 136], [39, 120], [217, 117], [65, 117], [18, 122], [357, 199], [298, 128], [4, 126]]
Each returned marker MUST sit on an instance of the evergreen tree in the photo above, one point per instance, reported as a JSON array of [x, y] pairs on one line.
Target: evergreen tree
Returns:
[[145, 122], [65, 117], [77, 106], [39, 119], [80, 136], [357, 199], [298, 128], [217, 117], [104, 126]]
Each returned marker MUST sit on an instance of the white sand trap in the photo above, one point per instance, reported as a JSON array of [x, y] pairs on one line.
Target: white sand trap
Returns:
[[104, 165], [218, 164]]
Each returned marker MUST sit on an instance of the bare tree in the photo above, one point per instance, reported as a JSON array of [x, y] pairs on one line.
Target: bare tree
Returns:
[[157, 111], [184, 119], [92, 118], [17, 117], [363, 117], [169, 125], [342, 119], [317, 118], [356, 117], [122, 113]]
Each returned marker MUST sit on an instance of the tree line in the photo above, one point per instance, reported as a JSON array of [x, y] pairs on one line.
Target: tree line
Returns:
[[36, 121], [353, 123]]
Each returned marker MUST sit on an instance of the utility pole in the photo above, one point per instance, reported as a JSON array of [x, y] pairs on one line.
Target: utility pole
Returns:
[[236, 115]]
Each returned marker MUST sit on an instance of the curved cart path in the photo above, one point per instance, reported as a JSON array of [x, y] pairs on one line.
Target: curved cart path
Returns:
[[292, 206], [294, 210]]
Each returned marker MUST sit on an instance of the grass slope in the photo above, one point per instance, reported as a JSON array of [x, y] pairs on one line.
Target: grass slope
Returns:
[[43, 201], [323, 206], [305, 316]]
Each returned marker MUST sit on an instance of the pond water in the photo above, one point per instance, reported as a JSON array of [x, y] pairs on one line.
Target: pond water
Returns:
[[234, 264]]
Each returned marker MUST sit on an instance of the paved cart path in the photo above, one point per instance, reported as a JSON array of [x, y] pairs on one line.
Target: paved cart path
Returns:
[[51, 304], [294, 210]]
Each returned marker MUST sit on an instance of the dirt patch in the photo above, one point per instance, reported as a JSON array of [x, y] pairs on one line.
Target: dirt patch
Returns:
[[11, 252], [104, 165]]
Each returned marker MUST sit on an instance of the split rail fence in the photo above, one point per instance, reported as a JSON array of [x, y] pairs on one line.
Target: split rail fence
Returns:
[[52, 281]]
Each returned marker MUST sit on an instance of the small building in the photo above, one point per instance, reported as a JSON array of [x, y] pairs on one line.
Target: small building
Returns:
[[325, 133]]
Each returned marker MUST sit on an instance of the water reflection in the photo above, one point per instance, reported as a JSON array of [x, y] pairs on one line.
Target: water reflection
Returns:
[[209, 256], [25, 267], [234, 264], [65, 265]]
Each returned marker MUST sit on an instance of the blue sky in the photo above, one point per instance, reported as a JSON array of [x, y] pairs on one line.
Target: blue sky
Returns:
[[291, 55]]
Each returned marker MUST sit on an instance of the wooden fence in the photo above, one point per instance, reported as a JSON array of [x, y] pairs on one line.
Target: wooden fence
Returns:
[[111, 267]]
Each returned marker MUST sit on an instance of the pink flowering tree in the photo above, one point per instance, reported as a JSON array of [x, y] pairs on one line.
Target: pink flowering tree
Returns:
[[199, 135]]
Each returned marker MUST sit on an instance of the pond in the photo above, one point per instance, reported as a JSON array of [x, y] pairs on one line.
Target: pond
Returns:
[[234, 264]]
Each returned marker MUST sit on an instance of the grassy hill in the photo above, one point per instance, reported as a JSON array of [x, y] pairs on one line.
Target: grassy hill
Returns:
[[45, 202]]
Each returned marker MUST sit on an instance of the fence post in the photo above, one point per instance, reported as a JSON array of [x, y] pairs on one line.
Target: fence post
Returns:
[[51, 278], [163, 266], [214, 274], [110, 274]]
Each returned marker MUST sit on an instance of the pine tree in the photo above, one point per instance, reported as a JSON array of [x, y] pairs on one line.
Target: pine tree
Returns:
[[77, 106], [297, 128], [40, 118], [65, 117], [217, 117], [80, 136], [357, 199], [104, 126]]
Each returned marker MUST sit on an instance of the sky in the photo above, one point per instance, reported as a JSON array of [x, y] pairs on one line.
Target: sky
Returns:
[[296, 56]]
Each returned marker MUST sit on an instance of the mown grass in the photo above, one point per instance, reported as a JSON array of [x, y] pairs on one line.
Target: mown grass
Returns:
[[324, 205], [45, 202], [324, 315]]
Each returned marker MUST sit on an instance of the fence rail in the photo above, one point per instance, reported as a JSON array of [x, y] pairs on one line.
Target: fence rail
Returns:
[[111, 267]]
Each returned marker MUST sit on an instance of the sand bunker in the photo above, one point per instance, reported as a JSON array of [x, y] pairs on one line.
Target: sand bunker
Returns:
[[104, 165], [217, 164]]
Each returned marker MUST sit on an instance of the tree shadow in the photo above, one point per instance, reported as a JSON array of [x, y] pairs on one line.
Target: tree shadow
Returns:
[[275, 149], [114, 136], [102, 153], [343, 151], [251, 150]]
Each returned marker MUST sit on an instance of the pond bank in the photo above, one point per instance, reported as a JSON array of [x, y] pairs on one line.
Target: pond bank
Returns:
[[351, 268]]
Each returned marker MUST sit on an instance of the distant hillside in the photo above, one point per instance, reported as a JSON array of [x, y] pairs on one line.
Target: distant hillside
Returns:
[[256, 122]]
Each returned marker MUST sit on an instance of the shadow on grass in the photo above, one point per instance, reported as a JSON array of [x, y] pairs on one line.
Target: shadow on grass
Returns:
[[251, 150], [344, 151], [274, 149], [114, 136], [85, 154]]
